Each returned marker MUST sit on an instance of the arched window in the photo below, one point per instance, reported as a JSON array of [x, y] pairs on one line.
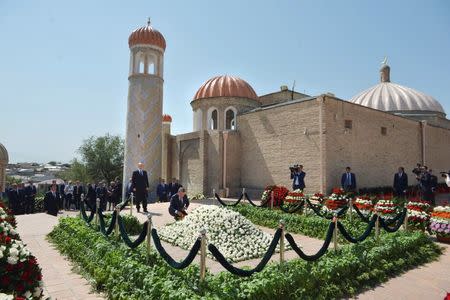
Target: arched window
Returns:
[[151, 68], [141, 67], [230, 118], [213, 120]]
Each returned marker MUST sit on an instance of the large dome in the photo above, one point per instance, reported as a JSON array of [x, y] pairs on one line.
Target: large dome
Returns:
[[392, 97], [147, 35], [225, 86]]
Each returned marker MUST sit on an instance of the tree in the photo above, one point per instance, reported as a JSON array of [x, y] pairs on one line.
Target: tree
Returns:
[[103, 157], [77, 171]]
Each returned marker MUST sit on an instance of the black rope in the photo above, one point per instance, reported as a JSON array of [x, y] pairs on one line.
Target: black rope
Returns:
[[395, 219], [124, 204], [174, 264], [126, 239], [361, 238], [83, 213], [224, 204], [253, 203], [319, 253], [361, 215], [401, 219], [293, 210], [110, 228], [241, 272], [317, 211]]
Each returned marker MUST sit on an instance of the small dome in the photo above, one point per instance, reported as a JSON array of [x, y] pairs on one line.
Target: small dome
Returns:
[[225, 86], [147, 35], [167, 118], [3, 154], [392, 97]]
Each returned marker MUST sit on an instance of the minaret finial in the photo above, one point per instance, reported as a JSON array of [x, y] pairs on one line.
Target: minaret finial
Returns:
[[148, 21], [385, 71]]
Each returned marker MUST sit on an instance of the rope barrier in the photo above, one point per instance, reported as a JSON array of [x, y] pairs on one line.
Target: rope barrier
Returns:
[[253, 203], [319, 253], [110, 228], [174, 264], [228, 205], [396, 218], [361, 215], [83, 213], [361, 238], [295, 209], [126, 239], [241, 272], [400, 220]]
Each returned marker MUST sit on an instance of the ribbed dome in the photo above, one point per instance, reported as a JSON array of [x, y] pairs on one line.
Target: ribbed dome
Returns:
[[3, 153], [392, 97], [225, 86], [147, 35]]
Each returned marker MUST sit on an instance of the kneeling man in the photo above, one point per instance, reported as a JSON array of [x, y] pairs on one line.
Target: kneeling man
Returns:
[[179, 204]]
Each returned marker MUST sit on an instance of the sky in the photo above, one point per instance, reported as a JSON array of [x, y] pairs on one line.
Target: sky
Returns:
[[64, 64]]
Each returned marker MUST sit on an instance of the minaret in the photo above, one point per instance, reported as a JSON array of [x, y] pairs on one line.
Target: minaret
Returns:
[[145, 100]]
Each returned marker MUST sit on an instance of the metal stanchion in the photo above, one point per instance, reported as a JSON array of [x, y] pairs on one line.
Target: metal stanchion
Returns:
[[335, 220], [272, 199], [214, 193], [202, 254], [131, 203], [81, 203], [149, 234], [377, 228], [97, 206], [116, 226], [282, 226], [350, 204], [243, 192], [405, 225]]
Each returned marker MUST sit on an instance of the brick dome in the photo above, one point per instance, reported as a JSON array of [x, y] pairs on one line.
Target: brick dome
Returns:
[[147, 35], [225, 86], [167, 118]]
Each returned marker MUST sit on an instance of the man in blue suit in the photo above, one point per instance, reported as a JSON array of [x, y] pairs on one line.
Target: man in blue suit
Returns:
[[298, 177], [400, 183], [348, 180], [179, 204], [161, 190]]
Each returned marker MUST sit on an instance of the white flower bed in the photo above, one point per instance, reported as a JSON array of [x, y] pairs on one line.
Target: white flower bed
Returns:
[[235, 236]]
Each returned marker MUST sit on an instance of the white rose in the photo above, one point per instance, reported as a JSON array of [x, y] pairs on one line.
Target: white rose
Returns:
[[13, 252], [12, 260], [37, 292], [27, 294]]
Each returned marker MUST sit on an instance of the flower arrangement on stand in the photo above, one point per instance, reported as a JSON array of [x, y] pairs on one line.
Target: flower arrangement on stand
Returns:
[[279, 194], [386, 209], [20, 274], [418, 214], [317, 199], [295, 197], [364, 204], [337, 200], [440, 223]]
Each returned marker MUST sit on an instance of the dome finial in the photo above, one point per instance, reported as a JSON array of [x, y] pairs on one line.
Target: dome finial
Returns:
[[148, 21], [385, 71]]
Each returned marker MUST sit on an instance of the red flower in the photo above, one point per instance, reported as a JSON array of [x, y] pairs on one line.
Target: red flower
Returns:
[[19, 287], [9, 267], [5, 281], [7, 240]]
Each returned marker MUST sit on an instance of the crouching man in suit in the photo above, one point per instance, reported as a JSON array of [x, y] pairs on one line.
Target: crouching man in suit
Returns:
[[51, 201], [179, 204]]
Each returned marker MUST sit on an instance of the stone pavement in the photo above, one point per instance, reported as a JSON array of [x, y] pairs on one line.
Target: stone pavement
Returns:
[[431, 280], [60, 282]]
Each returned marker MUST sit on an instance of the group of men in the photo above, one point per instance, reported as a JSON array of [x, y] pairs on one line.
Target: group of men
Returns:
[[21, 198], [427, 182]]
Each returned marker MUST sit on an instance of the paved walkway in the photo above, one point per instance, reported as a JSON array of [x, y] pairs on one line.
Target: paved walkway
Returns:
[[60, 282], [431, 280]]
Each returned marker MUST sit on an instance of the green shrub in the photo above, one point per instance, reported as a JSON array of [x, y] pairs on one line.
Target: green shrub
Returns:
[[127, 274], [132, 224]]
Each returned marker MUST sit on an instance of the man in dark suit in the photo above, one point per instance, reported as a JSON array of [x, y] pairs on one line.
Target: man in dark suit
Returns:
[[91, 196], [51, 201], [400, 183], [179, 203], [30, 195], [14, 199], [173, 187], [161, 190], [77, 191], [102, 193], [139, 181], [298, 178], [348, 180]]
